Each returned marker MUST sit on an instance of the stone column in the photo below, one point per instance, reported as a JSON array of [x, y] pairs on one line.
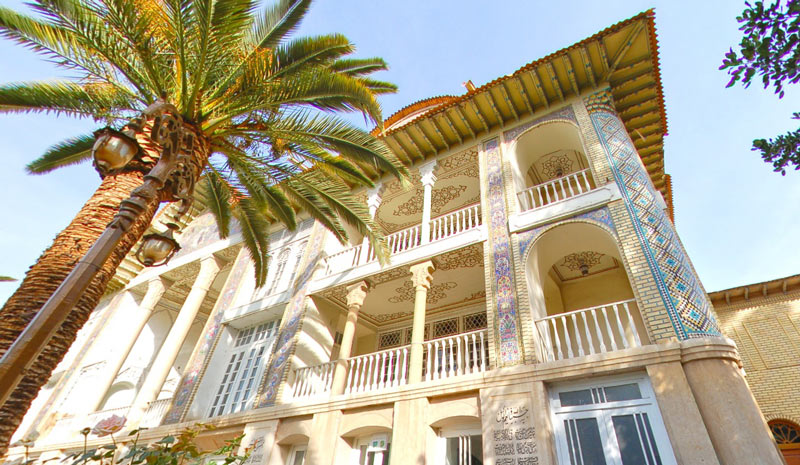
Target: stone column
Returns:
[[356, 293], [159, 370], [373, 202], [409, 428], [428, 179], [685, 427], [737, 429], [421, 276], [155, 290]]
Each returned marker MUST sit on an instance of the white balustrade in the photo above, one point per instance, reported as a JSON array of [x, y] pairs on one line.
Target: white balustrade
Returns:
[[155, 413], [457, 355], [378, 370], [456, 222], [313, 381], [442, 227], [556, 190], [589, 331]]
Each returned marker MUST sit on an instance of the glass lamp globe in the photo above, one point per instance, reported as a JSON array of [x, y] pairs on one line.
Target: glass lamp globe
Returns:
[[113, 149], [158, 248]]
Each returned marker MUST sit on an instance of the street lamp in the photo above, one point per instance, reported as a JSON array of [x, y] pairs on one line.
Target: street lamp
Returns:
[[157, 249], [113, 149], [172, 178]]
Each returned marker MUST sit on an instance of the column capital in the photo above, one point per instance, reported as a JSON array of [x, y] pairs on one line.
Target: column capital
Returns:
[[602, 100], [426, 173], [159, 282], [422, 274], [356, 293], [374, 199]]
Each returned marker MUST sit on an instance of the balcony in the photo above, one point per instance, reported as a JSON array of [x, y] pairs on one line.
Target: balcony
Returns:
[[556, 190], [443, 358], [453, 225], [590, 331], [68, 428]]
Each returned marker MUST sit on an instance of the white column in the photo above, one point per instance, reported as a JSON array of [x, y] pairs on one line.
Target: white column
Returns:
[[159, 370], [155, 290], [421, 276], [356, 293], [428, 178], [373, 202]]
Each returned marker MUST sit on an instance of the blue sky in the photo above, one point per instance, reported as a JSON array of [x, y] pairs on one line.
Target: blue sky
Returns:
[[734, 215]]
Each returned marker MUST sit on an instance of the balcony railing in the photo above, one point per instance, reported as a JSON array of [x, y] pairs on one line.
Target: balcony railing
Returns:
[[442, 227], [556, 190], [313, 381], [378, 370], [155, 413], [457, 355], [589, 331]]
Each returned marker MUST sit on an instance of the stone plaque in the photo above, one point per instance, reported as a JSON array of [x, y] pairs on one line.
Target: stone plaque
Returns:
[[511, 432], [258, 440]]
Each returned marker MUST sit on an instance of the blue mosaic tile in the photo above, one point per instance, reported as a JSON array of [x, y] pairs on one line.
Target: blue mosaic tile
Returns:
[[687, 304]]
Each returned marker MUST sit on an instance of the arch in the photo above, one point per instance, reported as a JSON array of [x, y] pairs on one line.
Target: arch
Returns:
[[442, 414], [359, 424], [293, 431], [547, 151], [574, 266], [785, 432], [119, 395]]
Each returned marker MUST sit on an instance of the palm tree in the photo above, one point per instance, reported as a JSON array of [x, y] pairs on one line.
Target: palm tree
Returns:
[[259, 104]]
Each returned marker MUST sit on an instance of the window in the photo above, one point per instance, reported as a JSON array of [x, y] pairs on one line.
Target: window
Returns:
[[461, 446], [372, 451], [250, 351], [609, 423], [298, 455], [279, 269]]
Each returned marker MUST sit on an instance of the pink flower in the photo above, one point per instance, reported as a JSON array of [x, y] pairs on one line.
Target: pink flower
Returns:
[[109, 425]]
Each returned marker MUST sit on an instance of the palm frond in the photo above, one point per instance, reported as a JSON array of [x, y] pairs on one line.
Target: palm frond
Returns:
[[216, 194], [277, 22], [96, 100], [255, 235], [69, 152], [359, 66]]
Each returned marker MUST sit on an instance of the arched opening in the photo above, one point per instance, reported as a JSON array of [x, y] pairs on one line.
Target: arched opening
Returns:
[[787, 435], [581, 298], [550, 165], [119, 395]]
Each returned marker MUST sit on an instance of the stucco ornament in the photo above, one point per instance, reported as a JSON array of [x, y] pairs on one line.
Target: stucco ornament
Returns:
[[109, 425]]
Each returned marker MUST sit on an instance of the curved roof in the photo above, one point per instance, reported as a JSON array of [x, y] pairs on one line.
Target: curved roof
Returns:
[[622, 58]]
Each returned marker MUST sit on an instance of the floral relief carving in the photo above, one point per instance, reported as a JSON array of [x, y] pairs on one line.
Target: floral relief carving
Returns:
[[436, 293], [557, 165], [467, 257], [574, 261], [439, 198]]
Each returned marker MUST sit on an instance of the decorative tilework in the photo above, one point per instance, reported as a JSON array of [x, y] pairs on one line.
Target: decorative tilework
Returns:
[[564, 114], [292, 317], [503, 283], [199, 358], [601, 217], [683, 295]]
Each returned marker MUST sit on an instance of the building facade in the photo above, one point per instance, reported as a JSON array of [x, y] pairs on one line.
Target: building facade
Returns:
[[538, 306]]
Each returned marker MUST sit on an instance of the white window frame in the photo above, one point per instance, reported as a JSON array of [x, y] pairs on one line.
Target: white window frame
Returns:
[[449, 433], [355, 458], [295, 450], [603, 412], [244, 368]]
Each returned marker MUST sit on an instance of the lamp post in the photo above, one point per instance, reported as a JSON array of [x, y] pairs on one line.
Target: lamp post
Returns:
[[172, 178]]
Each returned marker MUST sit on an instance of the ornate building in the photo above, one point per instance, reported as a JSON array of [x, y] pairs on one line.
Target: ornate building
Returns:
[[538, 307]]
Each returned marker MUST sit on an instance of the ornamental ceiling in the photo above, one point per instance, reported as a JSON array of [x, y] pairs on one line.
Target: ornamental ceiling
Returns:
[[555, 165], [457, 282], [568, 268], [456, 187]]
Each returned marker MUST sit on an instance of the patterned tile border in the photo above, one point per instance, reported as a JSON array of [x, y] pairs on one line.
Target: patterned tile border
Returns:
[[688, 306], [200, 358], [601, 217], [291, 325], [503, 286], [563, 114]]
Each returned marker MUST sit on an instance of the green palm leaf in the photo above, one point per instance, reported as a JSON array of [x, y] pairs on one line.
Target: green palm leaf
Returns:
[[69, 152]]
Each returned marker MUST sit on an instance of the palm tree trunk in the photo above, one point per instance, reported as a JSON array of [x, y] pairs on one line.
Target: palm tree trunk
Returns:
[[47, 274]]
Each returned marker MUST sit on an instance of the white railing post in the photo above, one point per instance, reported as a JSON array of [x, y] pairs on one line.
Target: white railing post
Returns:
[[576, 326]]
